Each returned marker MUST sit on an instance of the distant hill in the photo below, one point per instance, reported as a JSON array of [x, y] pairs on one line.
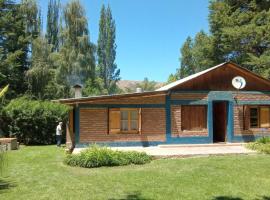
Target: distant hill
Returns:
[[131, 85]]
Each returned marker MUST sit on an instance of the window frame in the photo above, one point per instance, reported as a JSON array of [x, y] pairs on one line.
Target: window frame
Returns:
[[129, 131], [129, 110], [258, 107]]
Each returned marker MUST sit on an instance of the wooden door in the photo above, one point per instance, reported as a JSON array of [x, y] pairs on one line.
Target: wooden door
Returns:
[[219, 121]]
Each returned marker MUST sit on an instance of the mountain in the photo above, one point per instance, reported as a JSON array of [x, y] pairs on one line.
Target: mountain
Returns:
[[129, 86]]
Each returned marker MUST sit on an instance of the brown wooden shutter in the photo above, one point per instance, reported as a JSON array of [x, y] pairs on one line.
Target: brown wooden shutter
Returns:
[[264, 117], [246, 117], [115, 120]]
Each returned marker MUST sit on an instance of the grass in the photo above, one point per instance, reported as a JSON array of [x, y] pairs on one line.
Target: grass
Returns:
[[261, 145], [39, 173]]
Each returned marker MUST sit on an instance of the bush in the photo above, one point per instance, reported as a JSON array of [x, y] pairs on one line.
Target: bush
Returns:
[[96, 156], [34, 122], [261, 145]]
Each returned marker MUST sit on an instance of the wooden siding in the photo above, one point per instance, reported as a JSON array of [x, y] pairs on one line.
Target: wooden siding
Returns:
[[94, 126], [189, 96], [221, 78]]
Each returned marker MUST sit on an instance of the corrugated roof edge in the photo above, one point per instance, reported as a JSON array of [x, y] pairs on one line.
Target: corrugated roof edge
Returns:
[[70, 100]]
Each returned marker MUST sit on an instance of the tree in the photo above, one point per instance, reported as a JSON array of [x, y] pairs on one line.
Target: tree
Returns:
[[52, 33], [76, 56], [186, 61], [106, 50], [14, 46], [238, 32], [147, 85], [41, 72], [241, 32]]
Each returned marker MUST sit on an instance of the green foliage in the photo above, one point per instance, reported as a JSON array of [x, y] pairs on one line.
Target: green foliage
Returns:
[[147, 85], [3, 91], [75, 59], [172, 78], [52, 33], [238, 32], [96, 156], [261, 145], [41, 72], [34, 122], [106, 51]]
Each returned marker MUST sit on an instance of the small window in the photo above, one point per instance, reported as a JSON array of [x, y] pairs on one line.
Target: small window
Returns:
[[193, 118], [126, 120], [259, 117], [254, 117], [129, 120]]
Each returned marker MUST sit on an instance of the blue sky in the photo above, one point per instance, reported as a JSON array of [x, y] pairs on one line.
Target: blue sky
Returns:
[[149, 33]]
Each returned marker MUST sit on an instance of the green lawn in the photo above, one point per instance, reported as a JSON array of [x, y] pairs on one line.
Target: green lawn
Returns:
[[38, 173]]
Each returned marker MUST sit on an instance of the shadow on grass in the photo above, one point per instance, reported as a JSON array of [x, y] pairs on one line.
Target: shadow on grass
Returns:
[[133, 196], [263, 198], [5, 185], [227, 198], [238, 198]]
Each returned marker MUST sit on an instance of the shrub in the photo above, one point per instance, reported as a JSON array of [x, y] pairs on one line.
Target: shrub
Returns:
[[261, 145], [96, 156], [34, 122]]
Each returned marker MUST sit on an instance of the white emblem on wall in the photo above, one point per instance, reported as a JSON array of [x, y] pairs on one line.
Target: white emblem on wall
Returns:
[[238, 82]]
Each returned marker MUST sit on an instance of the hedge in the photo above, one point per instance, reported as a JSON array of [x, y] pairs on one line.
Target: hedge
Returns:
[[32, 121], [96, 156]]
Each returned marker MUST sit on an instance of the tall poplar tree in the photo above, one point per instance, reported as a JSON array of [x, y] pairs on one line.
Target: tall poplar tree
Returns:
[[76, 56], [106, 50], [52, 32]]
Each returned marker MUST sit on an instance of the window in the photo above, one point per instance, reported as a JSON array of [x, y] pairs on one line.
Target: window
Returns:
[[124, 120], [259, 117], [254, 117], [193, 118]]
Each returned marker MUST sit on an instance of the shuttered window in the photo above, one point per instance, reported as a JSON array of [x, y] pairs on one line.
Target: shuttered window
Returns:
[[125, 120], [257, 117], [193, 118]]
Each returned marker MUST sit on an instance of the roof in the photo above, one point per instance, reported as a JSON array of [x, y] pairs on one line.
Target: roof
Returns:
[[183, 80], [112, 96]]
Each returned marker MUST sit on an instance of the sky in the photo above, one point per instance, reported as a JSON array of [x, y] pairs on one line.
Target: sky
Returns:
[[149, 33]]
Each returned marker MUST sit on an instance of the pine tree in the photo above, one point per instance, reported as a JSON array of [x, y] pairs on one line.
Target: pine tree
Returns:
[[186, 61], [52, 33], [106, 50], [241, 33], [15, 37]]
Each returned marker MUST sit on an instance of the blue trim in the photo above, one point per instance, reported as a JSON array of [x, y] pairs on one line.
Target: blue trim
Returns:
[[261, 102], [210, 121], [230, 123], [117, 144], [77, 124], [189, 102], [189, 140], [122, 105], [168, 117]]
